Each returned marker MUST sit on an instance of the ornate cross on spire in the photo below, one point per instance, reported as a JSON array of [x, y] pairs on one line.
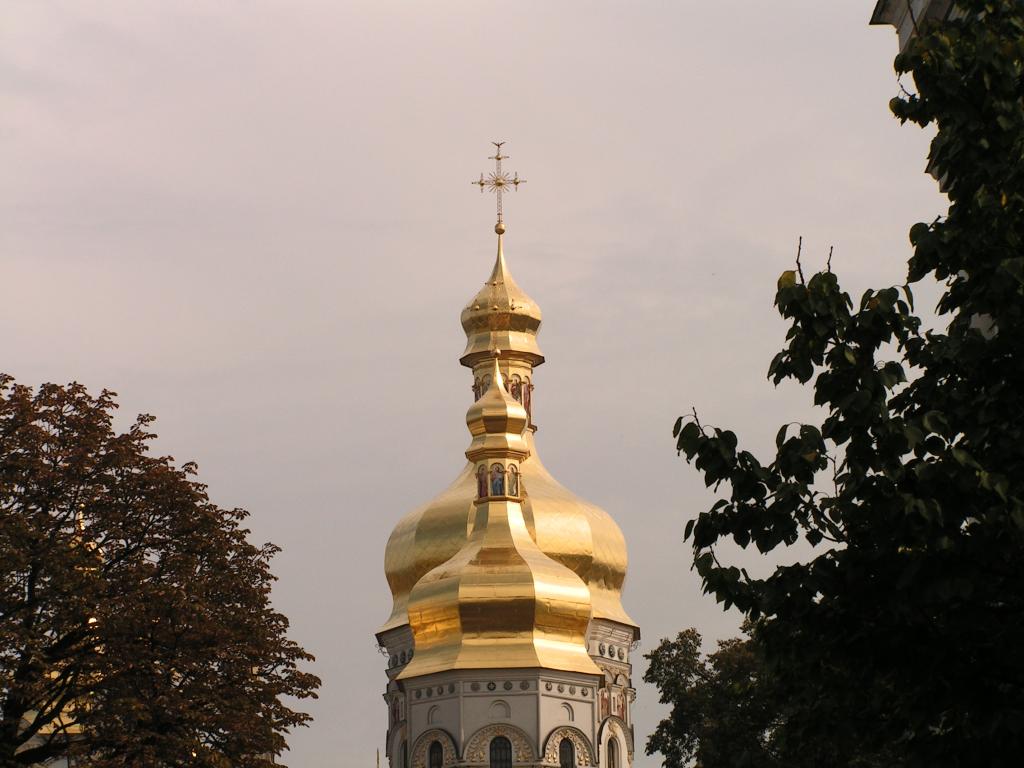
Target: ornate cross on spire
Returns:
[[497, 181]]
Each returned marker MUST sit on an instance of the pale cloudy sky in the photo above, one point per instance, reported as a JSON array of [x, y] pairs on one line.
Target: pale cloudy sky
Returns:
[[254, 220]]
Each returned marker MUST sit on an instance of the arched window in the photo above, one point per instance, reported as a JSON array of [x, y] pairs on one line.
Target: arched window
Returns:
[[436, 755], [501, 752], [497, 480], [613, 753], [513, 480], [566, 754]]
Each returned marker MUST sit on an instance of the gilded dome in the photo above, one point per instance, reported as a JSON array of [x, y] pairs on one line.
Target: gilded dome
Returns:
[[496, 421], [571, 530], [499, 601], [568, 529], [501, 316]]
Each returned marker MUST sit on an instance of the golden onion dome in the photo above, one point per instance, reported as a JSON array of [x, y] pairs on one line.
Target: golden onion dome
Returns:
[[499, 602], [572, 531], [576, 533], [496, 421], [425, 538], [501, 316]]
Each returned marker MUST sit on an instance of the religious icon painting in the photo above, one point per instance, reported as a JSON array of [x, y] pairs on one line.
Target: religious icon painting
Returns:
[[497, 480]]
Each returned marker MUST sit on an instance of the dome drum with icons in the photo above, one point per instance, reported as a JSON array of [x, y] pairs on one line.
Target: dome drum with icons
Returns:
[[506, 569]]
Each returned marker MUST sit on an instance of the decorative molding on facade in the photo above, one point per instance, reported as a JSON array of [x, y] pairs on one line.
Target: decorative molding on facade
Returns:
[[419, 750], [584, 750], [396, 735], [478, 745], [625, 730], [611, 673], [499, 710]]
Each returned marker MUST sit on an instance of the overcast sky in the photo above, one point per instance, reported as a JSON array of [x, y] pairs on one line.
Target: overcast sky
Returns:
[[254, 220]]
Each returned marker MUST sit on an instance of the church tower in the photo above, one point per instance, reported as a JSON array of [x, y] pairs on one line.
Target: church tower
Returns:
[[507, 645]]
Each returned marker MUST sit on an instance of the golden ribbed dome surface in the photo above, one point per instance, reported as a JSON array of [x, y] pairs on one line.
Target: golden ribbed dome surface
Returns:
[[567, 529], [571, 530], [499, 601], [501, 316], [497, 422]]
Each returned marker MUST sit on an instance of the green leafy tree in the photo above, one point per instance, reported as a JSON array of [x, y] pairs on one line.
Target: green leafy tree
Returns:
[[899, 641], [135, 619], [722, 713]]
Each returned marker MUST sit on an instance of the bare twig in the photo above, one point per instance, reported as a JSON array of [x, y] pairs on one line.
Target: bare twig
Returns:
[[697, 420], [799, 248], [828, 264]]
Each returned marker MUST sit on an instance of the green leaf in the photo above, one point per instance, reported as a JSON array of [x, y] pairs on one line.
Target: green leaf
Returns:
[[913, 434], [787, 279], [910, 296], [780, 436], [1017, 515], [935, 421], [1015, 267], [689, 438], [964, 458]]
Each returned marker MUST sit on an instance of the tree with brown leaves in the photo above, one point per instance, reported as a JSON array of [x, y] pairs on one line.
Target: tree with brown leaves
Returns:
[[136, 626]]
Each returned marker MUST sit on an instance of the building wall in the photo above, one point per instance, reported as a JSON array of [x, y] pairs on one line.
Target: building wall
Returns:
[[535, 708]]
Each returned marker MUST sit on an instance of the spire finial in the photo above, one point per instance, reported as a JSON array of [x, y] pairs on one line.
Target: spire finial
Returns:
[[496, 378], [497, 181]]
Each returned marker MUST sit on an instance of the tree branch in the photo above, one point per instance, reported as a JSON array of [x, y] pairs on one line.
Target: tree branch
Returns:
[[799, 268]]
